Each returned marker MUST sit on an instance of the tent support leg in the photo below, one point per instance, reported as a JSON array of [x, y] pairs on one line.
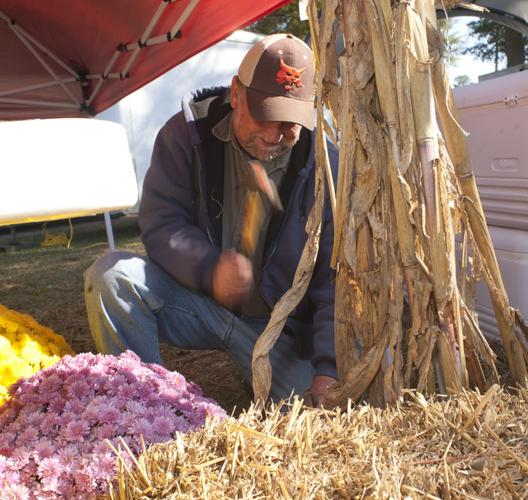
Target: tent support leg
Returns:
[[109, 232]]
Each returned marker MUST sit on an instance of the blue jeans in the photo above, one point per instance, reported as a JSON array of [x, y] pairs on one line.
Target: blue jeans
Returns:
[[134, 304]]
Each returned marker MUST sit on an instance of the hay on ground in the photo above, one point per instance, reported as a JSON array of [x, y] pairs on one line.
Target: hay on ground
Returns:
[[468, 446]]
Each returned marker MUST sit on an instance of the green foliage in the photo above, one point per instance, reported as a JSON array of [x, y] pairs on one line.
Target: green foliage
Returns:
[[284, 20], [462, 80], [453, 41], [496, 43]]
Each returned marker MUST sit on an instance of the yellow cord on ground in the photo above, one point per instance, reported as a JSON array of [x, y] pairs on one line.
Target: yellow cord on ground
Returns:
[[56, 240]]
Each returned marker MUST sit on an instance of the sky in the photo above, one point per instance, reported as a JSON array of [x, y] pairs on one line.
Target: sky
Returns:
[[467, 64]]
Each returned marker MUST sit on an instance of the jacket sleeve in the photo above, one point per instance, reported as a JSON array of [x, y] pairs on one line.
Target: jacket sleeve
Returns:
[[321, 293], [168, 211]]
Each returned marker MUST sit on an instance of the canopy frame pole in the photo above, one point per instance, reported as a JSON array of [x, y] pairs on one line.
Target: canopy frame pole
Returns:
[[137, 46], [38, 57], [109, 66], [173, 33], [32, 44], [184, 16], [29, 102], [120, 51], [108, 76], [144, 37], [109, 231], [36, 87], [36, 43]]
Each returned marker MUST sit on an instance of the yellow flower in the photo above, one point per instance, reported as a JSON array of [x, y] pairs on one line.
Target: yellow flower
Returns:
[[25, 347]]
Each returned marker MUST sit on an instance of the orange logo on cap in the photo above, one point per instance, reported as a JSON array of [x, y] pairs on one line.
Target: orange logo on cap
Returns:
[[289, 76]]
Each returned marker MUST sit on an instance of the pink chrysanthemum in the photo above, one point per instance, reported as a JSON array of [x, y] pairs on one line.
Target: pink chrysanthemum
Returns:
[[145, 391], [135, 407], [126, 391], [104, 465], [35, 419], [108, 416], [105, 431], [54, 427], [49, 472], [44, 448], [127, 419], [13, 491], [79, 390], [163, 426], [84, 481], [20, 457], [74, 406], [28, 436], [6, 466], [76, 430], [68, 453], [66, 418], [56, 404], [49, 385], [50, 422], [144, 428]]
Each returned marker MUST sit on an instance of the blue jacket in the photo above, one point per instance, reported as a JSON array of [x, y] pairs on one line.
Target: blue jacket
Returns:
[[181, 228]]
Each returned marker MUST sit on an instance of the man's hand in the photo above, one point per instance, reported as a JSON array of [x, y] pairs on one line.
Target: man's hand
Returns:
[[316, 395], [232, 279]]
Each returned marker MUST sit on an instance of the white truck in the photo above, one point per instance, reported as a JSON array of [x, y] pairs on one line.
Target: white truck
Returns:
[[495, 113]]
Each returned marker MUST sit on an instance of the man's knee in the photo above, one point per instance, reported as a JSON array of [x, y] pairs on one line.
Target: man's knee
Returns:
[[112, 267]]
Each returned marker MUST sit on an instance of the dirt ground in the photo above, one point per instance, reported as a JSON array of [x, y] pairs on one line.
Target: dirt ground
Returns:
[[47, 283]]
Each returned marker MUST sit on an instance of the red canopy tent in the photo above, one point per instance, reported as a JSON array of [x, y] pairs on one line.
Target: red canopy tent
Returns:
[[63, 58]]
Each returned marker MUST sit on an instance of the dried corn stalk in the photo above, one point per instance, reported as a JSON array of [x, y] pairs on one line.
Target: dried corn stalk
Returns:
[[404, 190]]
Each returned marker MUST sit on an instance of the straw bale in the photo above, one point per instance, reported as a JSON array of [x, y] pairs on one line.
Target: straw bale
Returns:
[[468, 446]]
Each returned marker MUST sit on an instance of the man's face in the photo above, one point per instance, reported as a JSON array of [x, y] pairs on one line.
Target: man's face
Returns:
[[261, 140]]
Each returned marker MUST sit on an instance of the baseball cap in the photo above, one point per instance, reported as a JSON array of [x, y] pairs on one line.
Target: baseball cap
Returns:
[[278, 73]]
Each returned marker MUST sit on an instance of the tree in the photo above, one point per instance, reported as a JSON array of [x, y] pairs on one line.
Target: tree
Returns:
[[462, 80], [496, 42], [283, 20], [453, 41]]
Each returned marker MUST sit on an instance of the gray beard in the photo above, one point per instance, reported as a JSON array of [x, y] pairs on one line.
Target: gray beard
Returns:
[[255, 152]]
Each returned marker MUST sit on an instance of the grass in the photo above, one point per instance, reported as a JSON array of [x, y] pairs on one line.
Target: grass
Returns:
[[47, 283]]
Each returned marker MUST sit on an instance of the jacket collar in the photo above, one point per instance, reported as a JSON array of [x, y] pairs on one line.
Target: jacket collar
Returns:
[[203, 109]]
